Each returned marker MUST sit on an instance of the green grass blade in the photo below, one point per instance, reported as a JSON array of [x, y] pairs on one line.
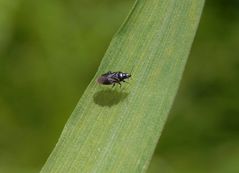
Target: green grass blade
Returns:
[[117, 129]]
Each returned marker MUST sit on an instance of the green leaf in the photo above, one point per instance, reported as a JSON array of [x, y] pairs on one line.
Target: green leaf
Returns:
[[117, 129]]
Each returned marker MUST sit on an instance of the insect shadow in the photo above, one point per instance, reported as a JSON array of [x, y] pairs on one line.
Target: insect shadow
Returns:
[[109, 97]]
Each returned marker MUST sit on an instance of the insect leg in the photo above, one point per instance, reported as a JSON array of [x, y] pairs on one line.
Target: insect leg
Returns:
[[125, 81], [117, 81], [113, 81]]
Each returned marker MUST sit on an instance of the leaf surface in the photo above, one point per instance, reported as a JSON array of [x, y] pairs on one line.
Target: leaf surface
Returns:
[[117, 129]]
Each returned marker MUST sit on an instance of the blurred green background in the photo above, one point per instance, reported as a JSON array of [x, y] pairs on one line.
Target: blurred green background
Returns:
[[50, 50]]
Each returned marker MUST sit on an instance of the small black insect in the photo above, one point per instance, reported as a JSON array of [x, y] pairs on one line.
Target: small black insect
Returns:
[[112, 78]]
